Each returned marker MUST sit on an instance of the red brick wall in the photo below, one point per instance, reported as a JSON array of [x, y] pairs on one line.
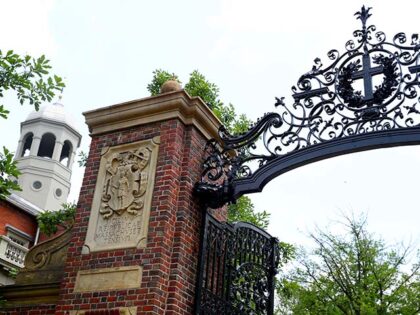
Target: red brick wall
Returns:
[[170, 259], [19, 219], [43, 237]]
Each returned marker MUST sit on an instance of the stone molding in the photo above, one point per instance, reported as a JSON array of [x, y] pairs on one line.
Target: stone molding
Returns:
[[30, 294], [190, 110], [123, 197]]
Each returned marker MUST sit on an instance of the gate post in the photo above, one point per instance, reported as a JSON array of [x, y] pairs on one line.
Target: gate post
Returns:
[[135, 243]]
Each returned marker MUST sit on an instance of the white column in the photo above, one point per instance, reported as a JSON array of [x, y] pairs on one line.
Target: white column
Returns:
[[19, 149], [36, 141], [57, 151], [71, 159]]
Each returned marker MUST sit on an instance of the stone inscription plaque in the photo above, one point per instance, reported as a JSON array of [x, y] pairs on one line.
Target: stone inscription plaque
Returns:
[[122, 199], [108, 279], [118, 229], [120, 311]]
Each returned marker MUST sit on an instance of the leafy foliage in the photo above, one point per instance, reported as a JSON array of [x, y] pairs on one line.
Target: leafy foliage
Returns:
[[49, 221], [209, 92], [12, 273], [354, 273], [159, 77], [234, 123], [287, 253], [27, 77], [198, 85], [243, 210], [83, 157], [8, 171]]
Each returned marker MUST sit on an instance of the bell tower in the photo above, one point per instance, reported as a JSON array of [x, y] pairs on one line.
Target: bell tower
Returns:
[[45, 155]]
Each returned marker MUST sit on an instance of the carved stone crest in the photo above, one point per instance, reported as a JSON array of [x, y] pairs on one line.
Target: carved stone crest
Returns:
[[123, 196], [125, 183]]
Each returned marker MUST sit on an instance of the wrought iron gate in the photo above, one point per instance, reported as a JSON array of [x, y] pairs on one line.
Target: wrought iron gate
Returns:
[[238, 264], [329, 116]]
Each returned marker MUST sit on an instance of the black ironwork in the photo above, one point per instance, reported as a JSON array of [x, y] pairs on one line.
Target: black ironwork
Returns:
[[330, 116], [238, 264]]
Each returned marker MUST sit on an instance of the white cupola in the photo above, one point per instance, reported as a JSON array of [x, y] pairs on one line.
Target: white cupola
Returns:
[[45, 156]]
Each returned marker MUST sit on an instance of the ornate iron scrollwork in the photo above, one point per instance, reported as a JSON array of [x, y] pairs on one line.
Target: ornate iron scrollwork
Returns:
[[330, 106]]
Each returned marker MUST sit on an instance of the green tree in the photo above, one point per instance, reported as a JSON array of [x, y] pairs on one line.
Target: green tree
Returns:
[[243, 210], [8, 168], [49, 221], [198, 85], [28, 78], [351, 273], [160, 77]]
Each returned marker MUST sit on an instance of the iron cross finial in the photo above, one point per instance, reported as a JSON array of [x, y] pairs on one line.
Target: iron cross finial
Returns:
[[363, 15]]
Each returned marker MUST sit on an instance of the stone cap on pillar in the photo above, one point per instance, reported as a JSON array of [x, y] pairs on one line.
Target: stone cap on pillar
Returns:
[[177, 104]]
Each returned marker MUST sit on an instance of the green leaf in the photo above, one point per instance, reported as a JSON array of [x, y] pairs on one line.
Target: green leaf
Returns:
[[8, 173], [49, 221], [83, 157], [243, 210], [3, 112]]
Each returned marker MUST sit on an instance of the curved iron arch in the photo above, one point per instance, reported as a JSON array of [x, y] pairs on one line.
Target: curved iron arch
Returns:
[[358, 143], [329, 117]]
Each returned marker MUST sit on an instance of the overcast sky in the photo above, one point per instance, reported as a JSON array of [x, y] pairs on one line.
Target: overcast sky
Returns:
[[254, 51]]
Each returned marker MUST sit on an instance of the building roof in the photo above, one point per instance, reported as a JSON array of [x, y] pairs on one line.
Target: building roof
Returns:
[[54, 112], [24, 204]]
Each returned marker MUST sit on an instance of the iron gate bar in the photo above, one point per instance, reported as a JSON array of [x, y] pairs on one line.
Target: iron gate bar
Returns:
[[328, 117], [237, 267], [414, 69]]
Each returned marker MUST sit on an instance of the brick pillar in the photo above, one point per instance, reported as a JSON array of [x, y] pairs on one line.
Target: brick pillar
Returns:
[[158, 275]]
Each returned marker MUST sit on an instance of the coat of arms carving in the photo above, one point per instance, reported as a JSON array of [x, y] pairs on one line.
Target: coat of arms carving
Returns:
[[125, 183], [123, 195]]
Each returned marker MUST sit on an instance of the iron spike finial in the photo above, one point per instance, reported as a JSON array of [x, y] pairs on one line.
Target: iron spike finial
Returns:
[[363, 15]]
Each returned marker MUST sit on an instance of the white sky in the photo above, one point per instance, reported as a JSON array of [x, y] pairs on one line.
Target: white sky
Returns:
[[254, 51]]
